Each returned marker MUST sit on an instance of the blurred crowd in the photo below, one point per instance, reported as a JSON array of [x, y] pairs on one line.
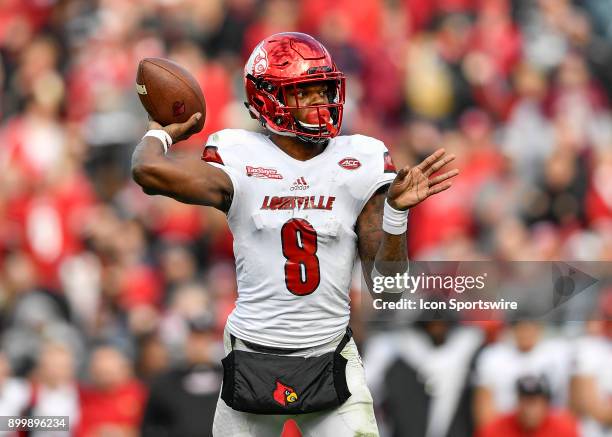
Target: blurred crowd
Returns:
[[112, 302], [440, 378]]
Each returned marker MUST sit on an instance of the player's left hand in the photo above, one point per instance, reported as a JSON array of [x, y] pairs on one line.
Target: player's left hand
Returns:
[[412, 185]]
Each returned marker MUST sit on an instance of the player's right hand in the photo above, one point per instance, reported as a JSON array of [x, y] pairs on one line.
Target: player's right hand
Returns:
[[178, 131]]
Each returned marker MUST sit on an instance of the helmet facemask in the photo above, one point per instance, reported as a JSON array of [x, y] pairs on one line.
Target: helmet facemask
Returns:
[[326, 118]]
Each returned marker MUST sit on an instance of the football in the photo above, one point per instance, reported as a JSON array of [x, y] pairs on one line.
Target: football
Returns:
[[168, 92]]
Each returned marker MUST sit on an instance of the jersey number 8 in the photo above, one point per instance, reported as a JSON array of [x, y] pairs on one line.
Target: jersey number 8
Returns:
[[299, 242]]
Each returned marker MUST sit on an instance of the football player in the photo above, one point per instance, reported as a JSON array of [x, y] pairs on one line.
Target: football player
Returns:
[[301, 202]]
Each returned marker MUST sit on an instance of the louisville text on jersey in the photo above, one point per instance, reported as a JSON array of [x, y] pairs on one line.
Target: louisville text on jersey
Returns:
[[263, 172], [299, 202]]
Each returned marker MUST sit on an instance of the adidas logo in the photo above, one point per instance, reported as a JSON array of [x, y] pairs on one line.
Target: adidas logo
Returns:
[[300, 184]]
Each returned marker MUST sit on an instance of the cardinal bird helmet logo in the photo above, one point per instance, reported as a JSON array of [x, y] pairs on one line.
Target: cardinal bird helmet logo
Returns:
[[283, 394]]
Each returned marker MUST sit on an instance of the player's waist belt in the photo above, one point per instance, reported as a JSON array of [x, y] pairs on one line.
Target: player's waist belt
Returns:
[[266, 349], [274, 383]]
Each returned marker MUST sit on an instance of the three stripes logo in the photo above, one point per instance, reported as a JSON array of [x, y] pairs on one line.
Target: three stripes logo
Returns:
[[300, 184]]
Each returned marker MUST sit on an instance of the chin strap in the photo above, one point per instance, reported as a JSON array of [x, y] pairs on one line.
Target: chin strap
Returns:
[[331, 128]]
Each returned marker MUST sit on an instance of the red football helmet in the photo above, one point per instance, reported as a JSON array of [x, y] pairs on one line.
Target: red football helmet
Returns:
[[286, 61]]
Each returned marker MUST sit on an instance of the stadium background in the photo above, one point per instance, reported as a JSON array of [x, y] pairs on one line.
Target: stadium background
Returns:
[[98, 281]]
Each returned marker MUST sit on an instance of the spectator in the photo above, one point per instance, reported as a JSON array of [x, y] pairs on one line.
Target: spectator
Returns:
[[178, 265], [533, 416], [591, 393], [14, 393], [542, 24], [113, 402], [55, 389], [37, 317], [182, 401], [428, 368], [153, 357], [529, 135], [599, 200], [188, 301], [501, 365]]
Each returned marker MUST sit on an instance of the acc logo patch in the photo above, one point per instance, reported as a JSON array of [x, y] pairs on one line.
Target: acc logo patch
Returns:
[[283, 394], [349, 163]]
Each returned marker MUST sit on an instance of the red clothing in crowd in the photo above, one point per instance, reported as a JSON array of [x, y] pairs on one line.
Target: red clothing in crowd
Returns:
[[365, 18], [46, 208], [47, 224], [421, 12], [119, 407], [557, 424], [140, 285], [598, 199], [217, 89], [451, 213], [35, 13]]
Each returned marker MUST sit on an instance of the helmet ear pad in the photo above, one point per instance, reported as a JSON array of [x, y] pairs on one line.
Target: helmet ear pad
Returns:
[[264, 106]]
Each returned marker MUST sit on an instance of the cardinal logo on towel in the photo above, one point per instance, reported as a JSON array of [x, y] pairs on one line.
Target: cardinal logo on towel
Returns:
[[283, 394]]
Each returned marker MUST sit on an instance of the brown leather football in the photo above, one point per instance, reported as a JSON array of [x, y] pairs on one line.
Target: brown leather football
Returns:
[[168, 92]]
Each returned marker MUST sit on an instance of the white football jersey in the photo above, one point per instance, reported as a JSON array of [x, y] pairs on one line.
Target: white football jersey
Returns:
[[293, 224]]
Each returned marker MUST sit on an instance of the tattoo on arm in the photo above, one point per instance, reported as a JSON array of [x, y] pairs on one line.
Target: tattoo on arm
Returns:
[[389, 252], [369, 227]]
